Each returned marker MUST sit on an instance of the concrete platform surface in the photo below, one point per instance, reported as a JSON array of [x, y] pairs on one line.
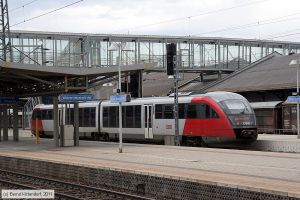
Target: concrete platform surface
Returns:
[[275, 172], [277, 143]]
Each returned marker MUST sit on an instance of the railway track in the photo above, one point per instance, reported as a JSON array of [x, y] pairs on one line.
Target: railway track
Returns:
[[63, 190]]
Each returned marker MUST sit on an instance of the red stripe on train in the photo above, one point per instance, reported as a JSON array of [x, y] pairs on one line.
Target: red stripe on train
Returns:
[[213, 127], [33, 122]]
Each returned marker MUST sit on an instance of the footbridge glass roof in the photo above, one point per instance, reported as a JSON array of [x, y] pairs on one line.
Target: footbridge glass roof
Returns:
[[93, 50]]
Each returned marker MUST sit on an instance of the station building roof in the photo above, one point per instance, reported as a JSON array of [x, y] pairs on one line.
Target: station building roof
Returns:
[[267, 105], [272, 72], [158, 84]]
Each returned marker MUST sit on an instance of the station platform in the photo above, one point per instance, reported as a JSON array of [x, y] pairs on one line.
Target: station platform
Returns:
[[173, 172], [277, 143]]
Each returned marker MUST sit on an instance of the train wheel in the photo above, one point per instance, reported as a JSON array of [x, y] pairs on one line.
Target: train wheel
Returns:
[[41, 134], [200, 142], [106, 137], [184, 141], [97, 137], [254, 137], [93, 136]]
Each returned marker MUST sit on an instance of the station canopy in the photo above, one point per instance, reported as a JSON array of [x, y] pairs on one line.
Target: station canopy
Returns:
[[27, 80]]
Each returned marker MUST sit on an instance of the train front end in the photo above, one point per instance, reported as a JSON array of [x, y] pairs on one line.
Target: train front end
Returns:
[[239, 113]]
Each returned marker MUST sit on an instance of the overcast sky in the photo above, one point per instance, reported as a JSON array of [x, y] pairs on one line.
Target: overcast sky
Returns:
[[253, 19]]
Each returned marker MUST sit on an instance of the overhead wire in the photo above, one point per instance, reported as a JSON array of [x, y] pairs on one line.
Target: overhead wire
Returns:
[[249, 25], [49, 12], [194, 16], [26, 4], [244, 26], [252, 24], [285, 35], [270, 36]]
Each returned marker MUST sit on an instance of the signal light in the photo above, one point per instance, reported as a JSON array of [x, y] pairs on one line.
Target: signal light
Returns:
[[171, 55]]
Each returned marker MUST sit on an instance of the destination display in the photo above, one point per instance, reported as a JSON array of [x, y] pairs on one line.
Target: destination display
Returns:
[[293, 98], [9, 100], [119, 98], [75, 97]]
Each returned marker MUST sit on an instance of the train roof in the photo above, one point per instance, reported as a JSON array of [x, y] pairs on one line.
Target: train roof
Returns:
[[221, 96], [149, 100], [289, 103], [217, 96], [83, 104]]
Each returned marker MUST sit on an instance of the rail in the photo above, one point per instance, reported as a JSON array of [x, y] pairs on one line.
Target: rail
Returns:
[[63, 190]]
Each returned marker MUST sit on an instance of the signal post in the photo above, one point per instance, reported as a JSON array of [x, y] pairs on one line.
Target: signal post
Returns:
[[173, 62]]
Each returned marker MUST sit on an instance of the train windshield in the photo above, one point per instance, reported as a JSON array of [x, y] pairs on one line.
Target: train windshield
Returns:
[[237, 106]]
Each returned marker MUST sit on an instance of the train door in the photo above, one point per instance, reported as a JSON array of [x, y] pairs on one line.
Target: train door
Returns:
[[60, 117], [148, 121]]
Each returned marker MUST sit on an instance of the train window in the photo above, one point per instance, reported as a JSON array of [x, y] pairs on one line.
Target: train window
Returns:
[[115, 118], [138, 116], [72, 116], [181, 110], [87, 116], [168, 111], [47, 114], [237, 107], [93, 117], [214, 114], [192, 111], [80, 117], [158, 111], [132, 117], [111, 117], [197, 111], [105, 117], [129, 117], [50, 114], [287, 121], [36, 114], [201, 111], [286, 111], [44, 114], [33, 115], [210, 113], [294, 111]]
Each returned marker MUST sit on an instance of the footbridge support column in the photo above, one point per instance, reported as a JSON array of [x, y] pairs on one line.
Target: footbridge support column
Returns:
[[5, 123], [1, 123], [15, 123], [76, 124], [55, 122]]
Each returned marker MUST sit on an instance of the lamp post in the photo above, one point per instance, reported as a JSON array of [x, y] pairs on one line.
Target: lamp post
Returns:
[[119, 47], [120, 104], [297, 63]]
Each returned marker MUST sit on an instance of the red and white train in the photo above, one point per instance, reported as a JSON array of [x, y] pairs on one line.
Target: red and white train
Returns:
[[214, 116]]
